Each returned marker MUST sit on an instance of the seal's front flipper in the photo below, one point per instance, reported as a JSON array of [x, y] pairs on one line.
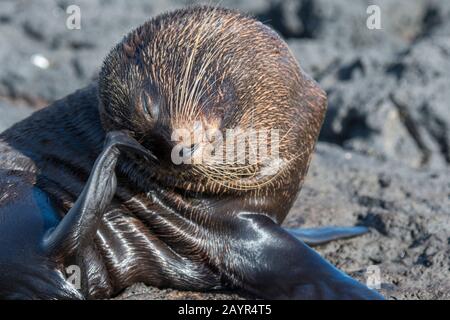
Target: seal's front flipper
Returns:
[[79, 225], [265, 260], [321, 235]]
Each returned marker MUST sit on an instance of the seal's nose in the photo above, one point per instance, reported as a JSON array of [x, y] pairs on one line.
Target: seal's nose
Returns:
[[188, 151]]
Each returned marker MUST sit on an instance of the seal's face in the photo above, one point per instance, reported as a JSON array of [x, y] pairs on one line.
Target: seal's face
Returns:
[[181, 82]]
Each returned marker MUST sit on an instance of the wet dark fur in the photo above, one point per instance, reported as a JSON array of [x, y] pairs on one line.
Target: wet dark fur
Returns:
[[182, 213]]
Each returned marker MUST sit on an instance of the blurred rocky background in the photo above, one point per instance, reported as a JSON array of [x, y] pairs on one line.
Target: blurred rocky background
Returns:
[[383, 159]]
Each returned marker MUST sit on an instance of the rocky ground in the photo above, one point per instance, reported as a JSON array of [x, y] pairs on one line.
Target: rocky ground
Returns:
[[383, 159]]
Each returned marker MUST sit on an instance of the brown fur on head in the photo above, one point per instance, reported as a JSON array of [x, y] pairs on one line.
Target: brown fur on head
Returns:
[[223, 70]]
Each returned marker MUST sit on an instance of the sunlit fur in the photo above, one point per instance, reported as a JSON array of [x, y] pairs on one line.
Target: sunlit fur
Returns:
[[167, 226], [217, 67]]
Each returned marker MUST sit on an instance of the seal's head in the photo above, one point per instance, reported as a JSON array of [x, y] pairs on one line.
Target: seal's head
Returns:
[[205, 72]]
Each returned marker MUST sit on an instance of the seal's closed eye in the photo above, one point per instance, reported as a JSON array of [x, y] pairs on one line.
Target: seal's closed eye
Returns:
[[150, 104]]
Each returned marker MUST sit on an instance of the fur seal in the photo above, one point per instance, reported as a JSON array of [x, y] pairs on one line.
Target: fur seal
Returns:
[[89, 181]]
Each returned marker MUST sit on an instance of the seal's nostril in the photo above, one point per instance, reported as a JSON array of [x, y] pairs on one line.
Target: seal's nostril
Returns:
[[189, 150]]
